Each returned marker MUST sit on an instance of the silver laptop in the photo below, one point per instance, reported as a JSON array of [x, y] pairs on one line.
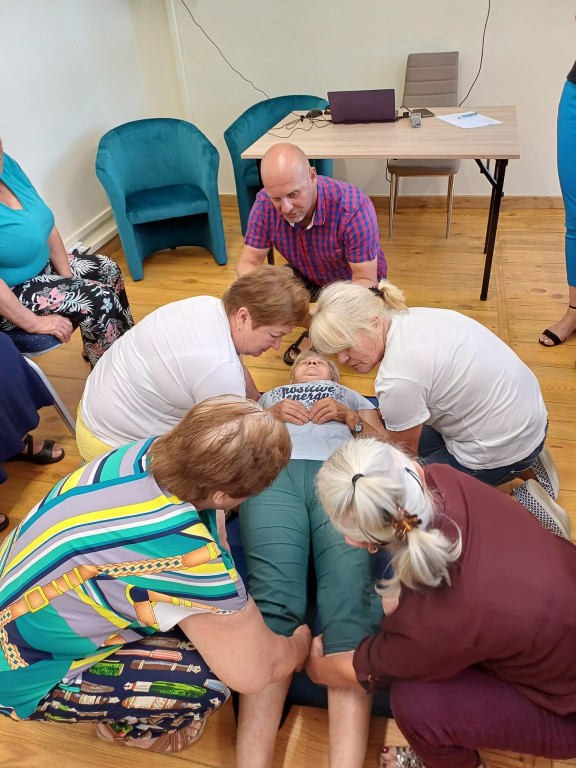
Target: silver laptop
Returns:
[[362, 106]]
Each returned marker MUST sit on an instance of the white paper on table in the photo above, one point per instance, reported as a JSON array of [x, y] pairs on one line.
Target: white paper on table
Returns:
[[475, 121]]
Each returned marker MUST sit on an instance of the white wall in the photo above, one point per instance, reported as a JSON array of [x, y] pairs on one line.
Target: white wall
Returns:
[[312, 46], [71, 70]]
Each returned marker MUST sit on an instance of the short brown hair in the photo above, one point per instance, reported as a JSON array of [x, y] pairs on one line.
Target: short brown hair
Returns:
[[225, 443], [272, 295]]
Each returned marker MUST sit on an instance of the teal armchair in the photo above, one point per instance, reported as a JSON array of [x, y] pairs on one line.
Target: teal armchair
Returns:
[[161, 177], [249, 127]]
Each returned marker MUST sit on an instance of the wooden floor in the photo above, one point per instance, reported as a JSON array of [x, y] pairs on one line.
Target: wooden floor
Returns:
[[528, 291]]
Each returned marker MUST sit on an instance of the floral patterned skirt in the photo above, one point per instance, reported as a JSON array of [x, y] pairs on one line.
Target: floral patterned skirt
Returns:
[[94, 300]]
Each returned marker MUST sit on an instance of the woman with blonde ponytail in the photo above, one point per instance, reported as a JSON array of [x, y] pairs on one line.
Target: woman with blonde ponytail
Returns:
[[449, 390], [477, 643]]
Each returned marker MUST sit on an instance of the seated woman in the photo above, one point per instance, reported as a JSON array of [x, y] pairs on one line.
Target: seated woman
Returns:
[[184, 352], [448, 388], [279, 528], [477, 645], [22, 393], [42, 289], [116, 556]]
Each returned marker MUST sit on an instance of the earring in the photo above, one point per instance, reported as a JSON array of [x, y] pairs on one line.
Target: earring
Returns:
[[238, 328], [373, 549]]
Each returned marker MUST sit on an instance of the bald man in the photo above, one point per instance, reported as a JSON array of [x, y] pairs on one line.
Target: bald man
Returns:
[[326, 229]]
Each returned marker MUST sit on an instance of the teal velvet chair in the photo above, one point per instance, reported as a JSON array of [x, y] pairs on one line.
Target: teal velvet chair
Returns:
[[161, 177], [249, 127]]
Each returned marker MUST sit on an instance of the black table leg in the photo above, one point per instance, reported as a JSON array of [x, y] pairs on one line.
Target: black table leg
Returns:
[[492, 227]]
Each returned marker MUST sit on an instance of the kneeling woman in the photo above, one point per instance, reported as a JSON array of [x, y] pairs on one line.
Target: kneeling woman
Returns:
[[480, 628], [97, 577], [279, 527]]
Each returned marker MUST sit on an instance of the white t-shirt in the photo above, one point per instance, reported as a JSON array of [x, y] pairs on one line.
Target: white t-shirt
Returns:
[[444, 369], [177, 356], [316, 441]]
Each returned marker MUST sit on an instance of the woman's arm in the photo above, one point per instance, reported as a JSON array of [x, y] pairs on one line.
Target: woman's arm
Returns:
[[13, 310], [408, 439], [242, 651], [335, 670], [58, 255], [329, 409]]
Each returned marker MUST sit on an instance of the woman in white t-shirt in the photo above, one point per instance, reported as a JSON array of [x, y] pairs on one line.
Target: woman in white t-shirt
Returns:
[[280, 527], [449, 390], [184, 353]]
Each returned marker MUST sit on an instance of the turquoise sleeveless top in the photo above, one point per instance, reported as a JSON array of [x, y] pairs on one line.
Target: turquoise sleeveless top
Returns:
[[24, 250]]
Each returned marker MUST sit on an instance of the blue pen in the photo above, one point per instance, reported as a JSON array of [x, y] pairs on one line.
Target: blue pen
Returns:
[[468, 114]]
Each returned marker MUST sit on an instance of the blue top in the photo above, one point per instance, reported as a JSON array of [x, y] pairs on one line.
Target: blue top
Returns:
[[24, 234]]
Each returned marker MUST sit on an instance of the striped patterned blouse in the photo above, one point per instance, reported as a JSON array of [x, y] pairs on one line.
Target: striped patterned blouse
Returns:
[[104, 559]]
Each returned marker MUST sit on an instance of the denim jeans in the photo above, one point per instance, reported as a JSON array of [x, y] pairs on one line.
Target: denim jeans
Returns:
[[432, 450]]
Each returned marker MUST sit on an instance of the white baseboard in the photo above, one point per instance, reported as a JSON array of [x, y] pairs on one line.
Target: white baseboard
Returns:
[[96, 232]]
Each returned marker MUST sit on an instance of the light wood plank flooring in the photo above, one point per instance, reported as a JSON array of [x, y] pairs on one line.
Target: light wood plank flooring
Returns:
[[528, 291]]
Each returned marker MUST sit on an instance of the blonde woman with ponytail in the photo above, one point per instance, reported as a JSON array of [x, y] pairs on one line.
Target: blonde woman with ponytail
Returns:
[[449, 390], [477, 643]]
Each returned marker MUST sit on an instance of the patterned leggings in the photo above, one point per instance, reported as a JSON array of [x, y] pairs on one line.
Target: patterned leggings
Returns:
[[94, 300], [156, 685]]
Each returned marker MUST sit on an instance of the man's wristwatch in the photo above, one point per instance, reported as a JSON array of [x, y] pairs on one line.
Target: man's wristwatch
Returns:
[[358, 427]]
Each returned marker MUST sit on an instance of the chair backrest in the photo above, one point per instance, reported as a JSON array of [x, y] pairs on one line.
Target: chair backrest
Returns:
[[156, 152], [262, 116], [431, 80]]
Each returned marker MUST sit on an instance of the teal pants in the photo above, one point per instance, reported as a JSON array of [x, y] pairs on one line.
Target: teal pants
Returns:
[[280, 527]]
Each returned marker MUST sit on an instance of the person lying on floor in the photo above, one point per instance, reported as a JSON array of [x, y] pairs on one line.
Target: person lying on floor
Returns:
[[117, 603], [477, 645], [279, 528]]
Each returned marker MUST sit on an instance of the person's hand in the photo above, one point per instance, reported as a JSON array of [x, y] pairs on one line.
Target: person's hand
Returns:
[[328, 409], [290, 411], [55, 325], [315, 659], [303, 637]]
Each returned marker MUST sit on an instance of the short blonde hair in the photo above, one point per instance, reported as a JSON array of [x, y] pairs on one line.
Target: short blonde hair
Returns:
[[272, 296], [334, 372], [225, 443], [364, 486], [345, 310]]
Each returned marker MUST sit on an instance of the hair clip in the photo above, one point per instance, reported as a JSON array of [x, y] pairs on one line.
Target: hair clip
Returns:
[[376, 291], [406, 523]]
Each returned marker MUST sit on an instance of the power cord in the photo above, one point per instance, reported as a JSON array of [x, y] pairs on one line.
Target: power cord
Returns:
[[481, 57], [246, 79]]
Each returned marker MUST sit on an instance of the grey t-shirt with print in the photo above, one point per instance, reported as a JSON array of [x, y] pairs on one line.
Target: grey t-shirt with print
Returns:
[[317, 441]]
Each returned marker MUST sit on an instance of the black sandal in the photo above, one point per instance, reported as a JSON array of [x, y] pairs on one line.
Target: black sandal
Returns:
[[44, 456], [295, 347], [4, 523], [552, 336]]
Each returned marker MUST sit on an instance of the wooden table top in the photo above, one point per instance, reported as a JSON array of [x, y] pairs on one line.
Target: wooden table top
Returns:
[[436, 139]]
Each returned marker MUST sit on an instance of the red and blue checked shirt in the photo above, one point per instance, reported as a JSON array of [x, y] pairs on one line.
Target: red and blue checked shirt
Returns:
[[345, 229]]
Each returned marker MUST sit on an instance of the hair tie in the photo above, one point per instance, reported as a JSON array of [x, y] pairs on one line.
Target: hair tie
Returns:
[[355, 478], [377, 291], [405, 524]]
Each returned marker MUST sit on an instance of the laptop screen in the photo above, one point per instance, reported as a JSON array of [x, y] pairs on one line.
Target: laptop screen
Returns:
[[377, 106]]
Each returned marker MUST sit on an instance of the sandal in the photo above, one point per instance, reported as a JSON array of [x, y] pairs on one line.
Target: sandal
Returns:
[[552, 336], [169, 742], [294, 348], [405, 758], [4, 522], [44, 456]]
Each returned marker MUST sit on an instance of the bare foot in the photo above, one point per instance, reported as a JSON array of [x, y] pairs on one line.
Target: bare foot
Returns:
[[563, 328]]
